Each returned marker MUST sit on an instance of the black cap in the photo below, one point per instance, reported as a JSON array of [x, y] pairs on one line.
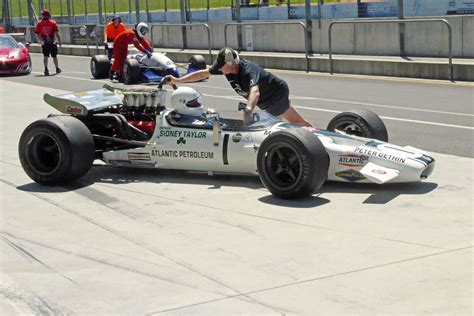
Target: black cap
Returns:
[[225, 55]]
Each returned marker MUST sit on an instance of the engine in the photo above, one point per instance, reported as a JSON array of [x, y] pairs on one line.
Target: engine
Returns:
[[140, 108]]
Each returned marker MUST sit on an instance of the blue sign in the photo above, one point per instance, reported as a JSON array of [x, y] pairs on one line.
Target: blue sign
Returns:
[[460, 7]]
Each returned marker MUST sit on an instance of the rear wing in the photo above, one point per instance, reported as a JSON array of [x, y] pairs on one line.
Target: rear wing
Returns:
[[83, 103], [89, 102]]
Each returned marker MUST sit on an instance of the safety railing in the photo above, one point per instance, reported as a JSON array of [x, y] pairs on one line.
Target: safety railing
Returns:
[[450, 36], [305, 33], [187, 25]]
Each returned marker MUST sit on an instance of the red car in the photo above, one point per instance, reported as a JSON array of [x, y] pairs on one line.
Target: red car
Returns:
[[14, 57]]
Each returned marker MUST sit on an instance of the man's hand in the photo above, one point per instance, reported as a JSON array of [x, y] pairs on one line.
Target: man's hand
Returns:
[[247, 118], [147, 53], [171, 80]]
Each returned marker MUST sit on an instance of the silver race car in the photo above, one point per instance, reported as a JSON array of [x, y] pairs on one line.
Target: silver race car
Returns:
[[131, 127]]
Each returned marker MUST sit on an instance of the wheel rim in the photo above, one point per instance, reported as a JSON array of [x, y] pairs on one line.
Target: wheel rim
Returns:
[[93, 68], [28, 65], [44, 153], [351, 128], [126, 74], [283, 165]]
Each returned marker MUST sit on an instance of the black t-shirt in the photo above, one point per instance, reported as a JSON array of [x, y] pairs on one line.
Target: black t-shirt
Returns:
[[250, 74]]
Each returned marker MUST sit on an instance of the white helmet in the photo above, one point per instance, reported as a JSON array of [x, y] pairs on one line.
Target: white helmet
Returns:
[[142, 29], [186, 101]]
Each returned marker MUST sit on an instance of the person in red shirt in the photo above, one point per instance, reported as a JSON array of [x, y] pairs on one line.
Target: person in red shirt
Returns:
[[47, 33], [135, 36], [112, 30]]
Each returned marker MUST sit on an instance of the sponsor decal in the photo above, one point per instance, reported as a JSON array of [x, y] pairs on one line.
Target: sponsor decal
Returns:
[[379, 154], [80, 94], [350, 175], [181, 141], [379, 171], [237, 138], [311, 129], [353, 160], [182, 154], [184, 134], [248, 138], [139, 156], [120, 162], [73, 109]]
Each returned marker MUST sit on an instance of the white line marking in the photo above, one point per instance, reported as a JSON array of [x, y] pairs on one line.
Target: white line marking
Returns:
[[76, 78], [393, 118], [295, 97], [378, 105]]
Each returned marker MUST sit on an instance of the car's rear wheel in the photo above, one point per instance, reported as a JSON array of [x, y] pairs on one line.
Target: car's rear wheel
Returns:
[[131, 71], [292, 163], [56, 150], [100, 66], [197, 62], [363, 123]]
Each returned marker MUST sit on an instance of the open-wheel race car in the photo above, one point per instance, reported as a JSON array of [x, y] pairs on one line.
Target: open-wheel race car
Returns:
[[15, 58], [139, 68], [130, 127]]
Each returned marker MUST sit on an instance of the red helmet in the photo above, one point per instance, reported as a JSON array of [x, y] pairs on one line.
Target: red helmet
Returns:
[[45, 13]]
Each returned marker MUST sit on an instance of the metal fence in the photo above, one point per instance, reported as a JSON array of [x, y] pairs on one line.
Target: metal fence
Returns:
[[66, 10]]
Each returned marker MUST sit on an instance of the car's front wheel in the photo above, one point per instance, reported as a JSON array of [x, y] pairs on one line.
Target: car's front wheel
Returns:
[[292, 163], [197, 62], [131, 71], [28, 66], [363, 123], [56, 150]]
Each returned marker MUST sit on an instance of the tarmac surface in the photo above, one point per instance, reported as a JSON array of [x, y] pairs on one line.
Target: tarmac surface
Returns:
[[154, 242]]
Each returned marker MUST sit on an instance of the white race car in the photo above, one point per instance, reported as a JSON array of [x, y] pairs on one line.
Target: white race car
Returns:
[[130, 127]]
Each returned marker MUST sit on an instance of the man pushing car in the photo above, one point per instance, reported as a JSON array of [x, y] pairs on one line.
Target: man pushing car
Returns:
[[135, 36], [260, 87]]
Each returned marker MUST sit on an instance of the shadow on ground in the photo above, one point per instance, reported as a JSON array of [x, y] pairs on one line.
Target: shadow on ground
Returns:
[[379, 194]]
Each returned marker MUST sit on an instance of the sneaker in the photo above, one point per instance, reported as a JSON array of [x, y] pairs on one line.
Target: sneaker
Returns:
[[46, 72], [120, 78], [58, 70], [111, 75]]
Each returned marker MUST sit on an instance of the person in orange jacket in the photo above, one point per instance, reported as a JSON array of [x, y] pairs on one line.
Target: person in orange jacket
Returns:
[[135, 36], [112, 30]]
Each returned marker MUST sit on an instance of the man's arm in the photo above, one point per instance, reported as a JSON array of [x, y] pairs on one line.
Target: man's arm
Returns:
[[58, 37], [194, 76], [252, 101]]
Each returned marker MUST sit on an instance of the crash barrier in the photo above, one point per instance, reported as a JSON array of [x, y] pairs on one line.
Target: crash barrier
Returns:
[[186, 25], [450, 36], [305, 34]]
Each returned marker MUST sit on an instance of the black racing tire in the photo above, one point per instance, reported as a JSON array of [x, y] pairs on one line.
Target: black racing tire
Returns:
[[131, 71], [363, 123], [292, 163], [197, 62], [56, 150], [100, 66]]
